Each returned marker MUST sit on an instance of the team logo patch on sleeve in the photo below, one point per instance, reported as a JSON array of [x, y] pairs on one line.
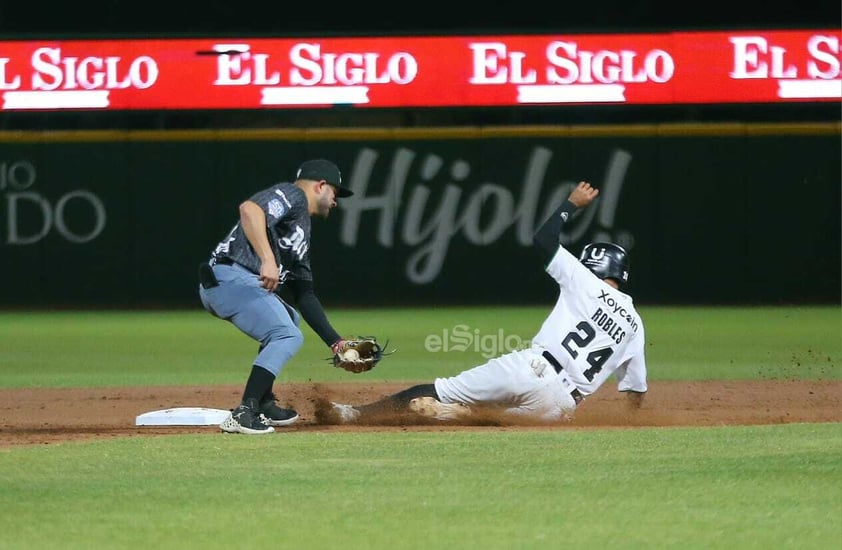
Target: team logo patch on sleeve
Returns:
[[276, 208]]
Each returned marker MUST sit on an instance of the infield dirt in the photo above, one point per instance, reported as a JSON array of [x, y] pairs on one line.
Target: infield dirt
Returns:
[[51, 416]]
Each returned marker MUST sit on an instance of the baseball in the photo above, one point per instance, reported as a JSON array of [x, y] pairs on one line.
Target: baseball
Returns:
[[351, 355]]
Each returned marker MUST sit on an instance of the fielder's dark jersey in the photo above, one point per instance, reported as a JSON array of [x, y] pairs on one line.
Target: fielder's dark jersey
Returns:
[[288, 228]]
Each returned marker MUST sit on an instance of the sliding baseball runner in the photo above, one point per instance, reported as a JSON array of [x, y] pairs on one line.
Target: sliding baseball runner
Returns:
[[592, 333]]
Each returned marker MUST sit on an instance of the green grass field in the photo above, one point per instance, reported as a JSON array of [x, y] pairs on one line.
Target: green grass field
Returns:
[[77, 349], [763, 487]]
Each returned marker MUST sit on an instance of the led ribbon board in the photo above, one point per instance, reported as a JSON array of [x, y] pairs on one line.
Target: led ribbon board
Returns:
[[435, 71]]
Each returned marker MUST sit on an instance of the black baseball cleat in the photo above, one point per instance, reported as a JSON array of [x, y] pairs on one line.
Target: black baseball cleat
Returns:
[[274, 415], [246, 419]]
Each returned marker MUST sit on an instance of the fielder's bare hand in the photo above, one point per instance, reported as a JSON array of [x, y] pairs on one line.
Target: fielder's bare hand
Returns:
[[269, 275], [583, 194]]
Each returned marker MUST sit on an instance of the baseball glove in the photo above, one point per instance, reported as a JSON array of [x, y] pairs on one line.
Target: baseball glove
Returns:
[[357, 354]]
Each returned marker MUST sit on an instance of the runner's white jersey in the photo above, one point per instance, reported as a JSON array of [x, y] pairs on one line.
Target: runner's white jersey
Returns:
[[594, 330]]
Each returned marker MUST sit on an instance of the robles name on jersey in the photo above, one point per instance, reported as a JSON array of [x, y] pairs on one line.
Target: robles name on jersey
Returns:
[[604, 320]]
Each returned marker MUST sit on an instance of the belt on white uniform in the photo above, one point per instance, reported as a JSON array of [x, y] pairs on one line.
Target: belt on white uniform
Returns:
[[574, 393]]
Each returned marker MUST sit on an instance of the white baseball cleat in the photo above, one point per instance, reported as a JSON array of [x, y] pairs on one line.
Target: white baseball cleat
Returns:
[[345, 413], [433, 408]]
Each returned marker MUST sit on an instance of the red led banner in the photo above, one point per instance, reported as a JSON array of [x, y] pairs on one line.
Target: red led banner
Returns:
[[454, 71]]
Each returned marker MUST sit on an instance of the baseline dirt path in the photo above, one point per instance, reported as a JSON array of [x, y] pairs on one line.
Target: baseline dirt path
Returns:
[[50, 416]]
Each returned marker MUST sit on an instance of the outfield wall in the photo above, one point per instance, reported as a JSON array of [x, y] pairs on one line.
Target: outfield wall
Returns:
[[718, 213]]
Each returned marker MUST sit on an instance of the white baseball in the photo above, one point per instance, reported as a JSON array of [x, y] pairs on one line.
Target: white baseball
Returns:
[[351, 355]]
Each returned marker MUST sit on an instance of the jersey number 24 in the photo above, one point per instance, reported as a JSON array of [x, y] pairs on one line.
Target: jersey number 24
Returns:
[[580, 339]]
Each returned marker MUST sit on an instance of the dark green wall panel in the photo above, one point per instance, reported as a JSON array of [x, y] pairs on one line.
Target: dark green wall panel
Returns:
[[741, 217]]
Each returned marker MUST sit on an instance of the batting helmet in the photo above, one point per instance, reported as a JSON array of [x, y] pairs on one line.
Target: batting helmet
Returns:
[[606, 261]]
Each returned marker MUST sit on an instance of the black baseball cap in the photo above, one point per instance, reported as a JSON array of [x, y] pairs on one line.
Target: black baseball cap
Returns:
[[321, 169]]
